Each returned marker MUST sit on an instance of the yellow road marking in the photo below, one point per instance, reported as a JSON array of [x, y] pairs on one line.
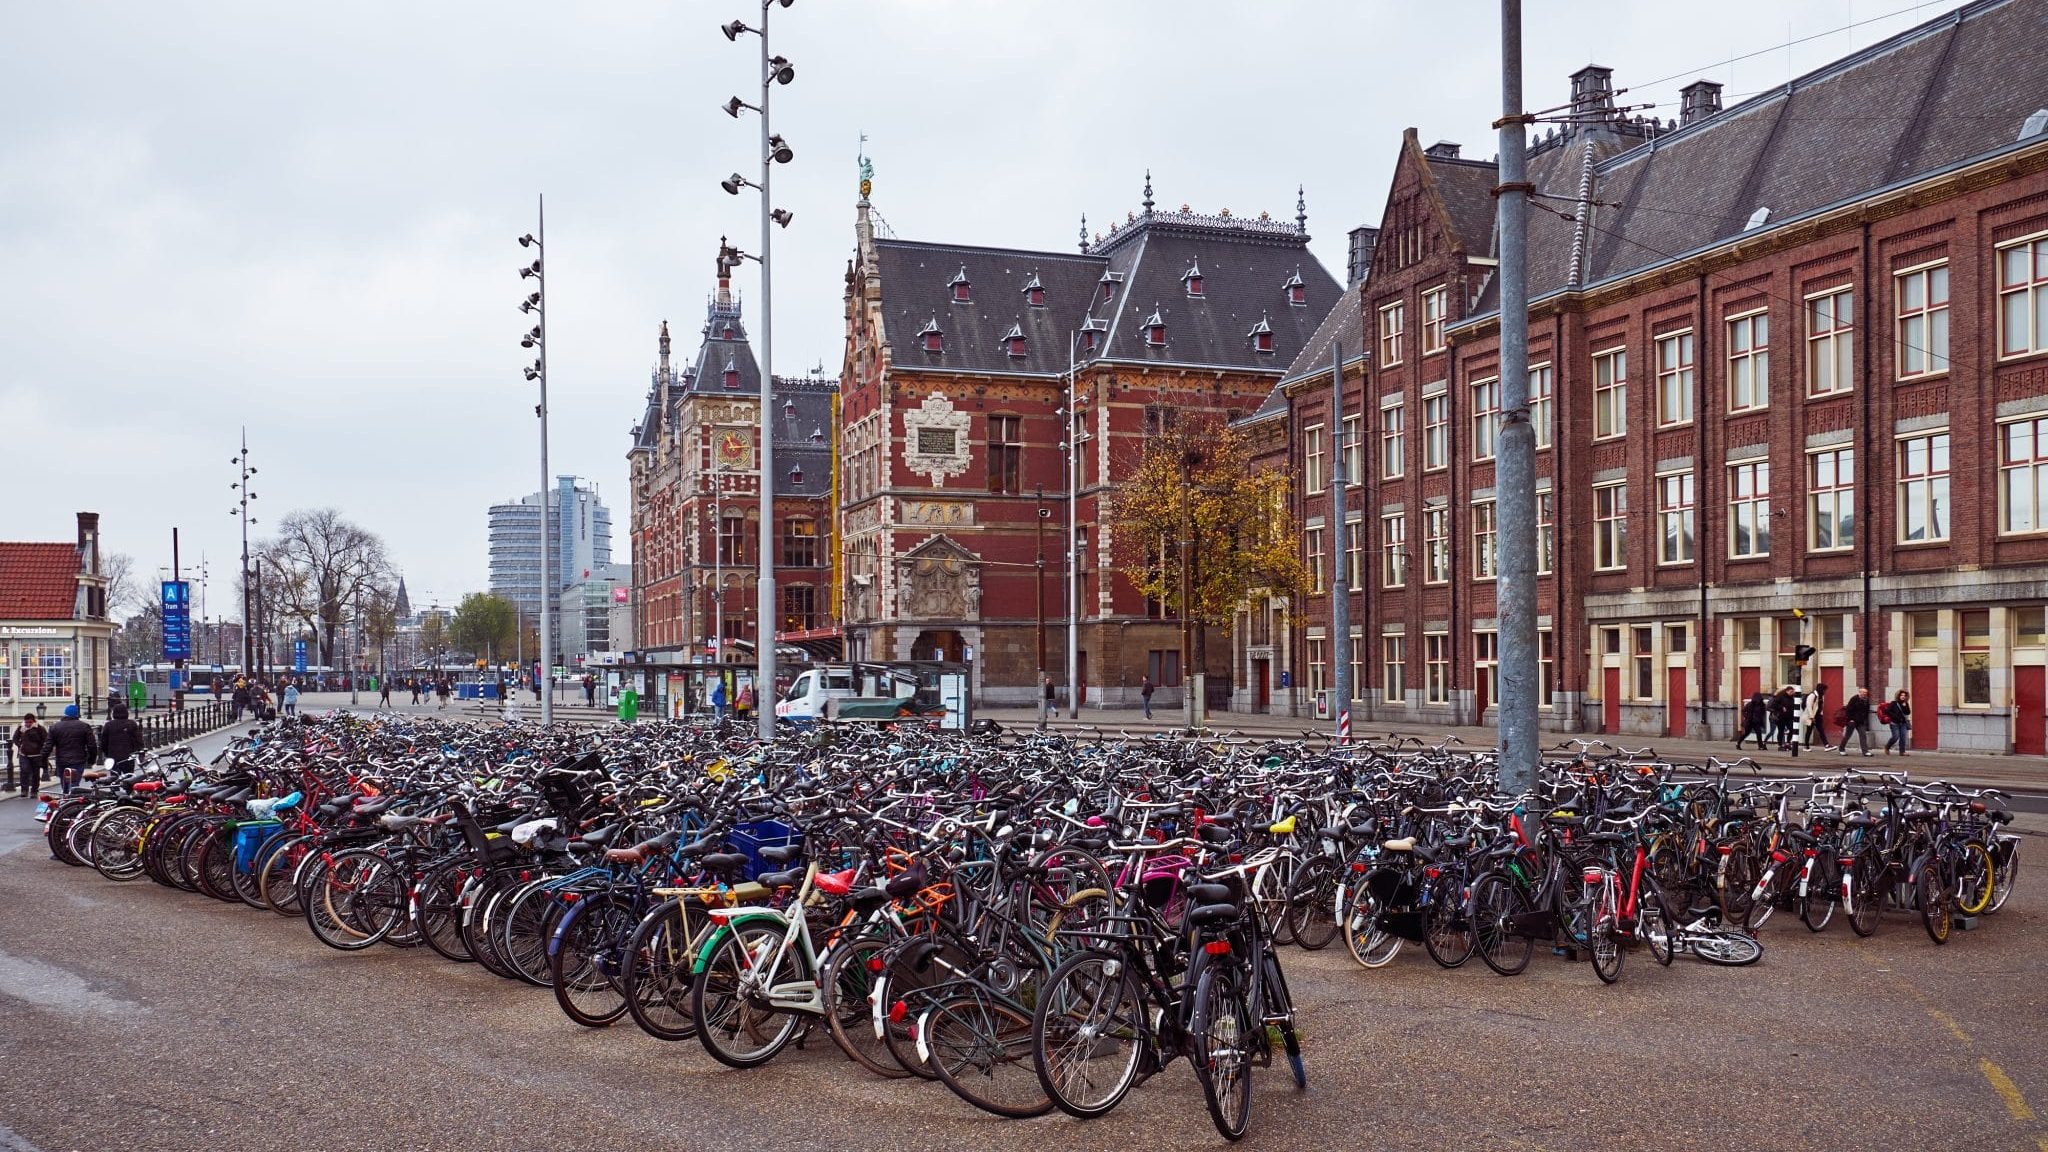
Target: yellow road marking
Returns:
[[2015, 1104], [1949, 1022]]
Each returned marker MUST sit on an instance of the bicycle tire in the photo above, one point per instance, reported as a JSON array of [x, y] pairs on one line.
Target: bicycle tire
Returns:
[[1447, 935], [279, 882], [849, 1012], [726, 1014], [1725, 947], [657, 979], [1222, 1035], [1931, 893], [1368, 941], [1089, 1012], [1974, 881], [359, 900], [1311, 903], [1495, 899], [437, 899], [1823, 894], [1866, 893], [1603, 931], [583, 959], [116, 840], [2004, 876], [981, 1049]]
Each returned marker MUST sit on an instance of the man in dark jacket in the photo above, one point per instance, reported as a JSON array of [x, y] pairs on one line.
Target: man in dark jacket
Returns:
[[1855, 718], [121, 740], [31, 752], [240, 699], [74, 747], [1754, 710]]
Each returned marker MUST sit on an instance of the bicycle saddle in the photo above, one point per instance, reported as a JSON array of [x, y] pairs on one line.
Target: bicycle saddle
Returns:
[[786, 879], [1404, 844]]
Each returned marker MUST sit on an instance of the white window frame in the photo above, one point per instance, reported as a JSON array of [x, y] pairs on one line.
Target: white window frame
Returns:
[[1436, 545], [1394, 549], [1755, 357], [1925, 491], [1930, 342], [1546, 531], [1393, 437], [1749, 505], [1485, 540], [1680, 375], [1436, 307], [1393, 326], [1436, 433], [2034, 291], [1354, 449], [1610, 398], [1394, 667], [1837, 500], [2035, 468], [1485, 417], [1833, 345], [1541, 402], [1313, 478], [1610, 533], [1436, 667], [1686, 513], [1312, 539], [1354, 552]]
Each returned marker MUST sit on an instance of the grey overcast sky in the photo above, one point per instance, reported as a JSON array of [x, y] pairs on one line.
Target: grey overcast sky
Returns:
[[302, 217]]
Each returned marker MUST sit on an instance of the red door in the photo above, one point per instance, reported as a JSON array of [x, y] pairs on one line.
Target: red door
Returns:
[[1674, 702], [1750, 681], [2030, 710], [1610, 702], [1926, 712], [1262, 676], [1832, 677], [1480, 684]]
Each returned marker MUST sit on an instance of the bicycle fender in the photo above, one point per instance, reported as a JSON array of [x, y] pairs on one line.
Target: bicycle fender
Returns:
[[717, 936]]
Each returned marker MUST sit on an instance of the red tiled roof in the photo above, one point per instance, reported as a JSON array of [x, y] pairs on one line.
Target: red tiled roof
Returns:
[[38, 581]]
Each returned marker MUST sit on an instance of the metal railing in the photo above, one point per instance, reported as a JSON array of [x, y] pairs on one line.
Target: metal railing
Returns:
[[161, 726]]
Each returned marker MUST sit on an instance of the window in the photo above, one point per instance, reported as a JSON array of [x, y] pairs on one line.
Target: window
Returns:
[[1749, 509], [1436, 546], [1610, 641], [2023, 476], [1485, 553], [1540, 388], [1610, 393], [2029, 628], [1485, 417], [1393, 439], [799, 542], [1831, 500], [1163, 666], [1436, 667], [1486, 664], [1393, 318], [1674, 379], [1749, 362], [1315, 560], [1393, 668], [1674, 518], [1034, 292], [1160, 419], [2023, 297], [1436, 427], [799, 607], [1358, 659], [45, 671], [1674, 638], [1829, 321], [1393, 550], [1434, 303], [1923, 321], [1297, 292], [1192, 279], [1354, 450], [1923, 488], [1546, 533], [731, 376], [1610, 527], [1547, 651], [1749, 635], [732, 539], [1005, 454], [1926, 629], [1354, 554], [1318, 667], [1976, 657], [1834, 632], [1643, 661], [1312, 458], [959, 285]]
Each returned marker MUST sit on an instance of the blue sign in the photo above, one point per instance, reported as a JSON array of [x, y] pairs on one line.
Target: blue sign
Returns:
[[177, 613], [299, 656]]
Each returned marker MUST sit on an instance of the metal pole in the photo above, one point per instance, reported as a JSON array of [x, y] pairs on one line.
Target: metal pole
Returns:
[[1515, 471], [1340, 587], [764, 633], [1073, 538], [355, 648], [178, 665], [1039, 683], [1187, 528], [547, 556]]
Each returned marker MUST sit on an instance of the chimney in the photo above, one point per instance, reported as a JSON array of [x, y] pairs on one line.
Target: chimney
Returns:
[[1360, 262], [1593, 93], [1698, 100], [89, 543], [1441, 150]]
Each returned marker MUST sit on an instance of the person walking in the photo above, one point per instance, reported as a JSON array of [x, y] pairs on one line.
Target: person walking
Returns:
[[1855, 718], [1784, 718], [31, 742], [384, 692], [1754, 712], [1145, 696], [589, 690], [743, 706], [240, 700], [442, 690], [218, 688], [121, 740], [1897, 714], [1816, 719], [74, 747], [718, 697], [291, 699]]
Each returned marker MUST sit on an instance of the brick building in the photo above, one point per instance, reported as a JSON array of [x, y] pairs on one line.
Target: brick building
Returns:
[[696, 509], [1790, 353], [956, 372]]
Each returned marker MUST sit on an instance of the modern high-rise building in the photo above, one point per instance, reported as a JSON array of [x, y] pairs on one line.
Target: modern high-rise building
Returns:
[[581, 533]]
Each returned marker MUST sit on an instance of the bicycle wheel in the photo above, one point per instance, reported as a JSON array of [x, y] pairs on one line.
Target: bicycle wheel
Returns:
[[1278, 1006], [1655, 926], [1973, 875], [278, 874], [1224, 1037], [1312, 902], [583, 959], [57, 831], [1765, 895], [2005, 875], [438, 900], [1736, 881], [1602, 918], [981, 1049], [360, 898], [1932, 893], [1864, 891], [736, 1022], [911, 975], [1723, 946], [116, 843], [1823, 893], [1088, 1034], [215, 864], [1495, 901], [1081, 915], [656, 980], [1447, 936], [849, 978], [1269, 889], [1364, 932], [525, 928]]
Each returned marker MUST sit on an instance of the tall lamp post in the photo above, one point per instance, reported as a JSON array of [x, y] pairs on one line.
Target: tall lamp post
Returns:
[[537, 305], [774, 70], [243, 495]]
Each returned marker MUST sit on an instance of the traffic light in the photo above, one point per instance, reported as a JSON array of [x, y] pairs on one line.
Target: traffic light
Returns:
[[1801, 653]]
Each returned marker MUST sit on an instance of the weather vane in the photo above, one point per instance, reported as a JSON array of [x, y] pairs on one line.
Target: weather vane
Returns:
[[867, 168]]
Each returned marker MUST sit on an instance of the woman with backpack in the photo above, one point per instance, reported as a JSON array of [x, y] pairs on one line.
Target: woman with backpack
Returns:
[[1754, 711], [1784, 718], [1897, 713]]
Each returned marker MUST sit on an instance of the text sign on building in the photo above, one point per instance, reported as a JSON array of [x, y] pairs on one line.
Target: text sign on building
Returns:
[[177, 608]]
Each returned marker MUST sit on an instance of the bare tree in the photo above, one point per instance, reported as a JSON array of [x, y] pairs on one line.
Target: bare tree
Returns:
[[380, 619], [316, 567], [124, 592]]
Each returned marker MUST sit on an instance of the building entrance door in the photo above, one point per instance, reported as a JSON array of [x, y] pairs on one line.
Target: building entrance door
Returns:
[[1262, 680], [1674, 702], [2030, 710], [1610, 702], [1926, 707]]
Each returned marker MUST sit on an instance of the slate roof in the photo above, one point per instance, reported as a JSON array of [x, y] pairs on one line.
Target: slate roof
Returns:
[[38, 581], [1466, 188], [916, 288], [803, 405], [1345, 322], [707, 372]]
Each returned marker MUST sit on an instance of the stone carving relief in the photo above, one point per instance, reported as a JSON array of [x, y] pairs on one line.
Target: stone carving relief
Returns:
[[939, 580], [935, 439]]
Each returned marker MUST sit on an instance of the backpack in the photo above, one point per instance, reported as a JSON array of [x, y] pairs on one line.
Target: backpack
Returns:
[[1885, 713]]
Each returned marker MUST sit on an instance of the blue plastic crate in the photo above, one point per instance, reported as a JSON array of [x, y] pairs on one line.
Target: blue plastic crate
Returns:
[[750, 836], [250, 836]]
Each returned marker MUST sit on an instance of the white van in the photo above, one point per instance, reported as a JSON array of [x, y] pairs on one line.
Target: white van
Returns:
[[804, 703]]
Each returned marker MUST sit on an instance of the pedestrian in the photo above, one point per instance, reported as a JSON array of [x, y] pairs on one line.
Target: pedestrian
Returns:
[[743, 706], [384, 692], [218, 688], [1754, 712], [31, 742], [291, 699], [413, 682], [1785, 717], [1855, 716], [1897, 714], [1145, 696], [121, 740], [1045, 702], [589, 690], [1817, 715], [442, 690], [240, 700], [74, 747], [718, 697]]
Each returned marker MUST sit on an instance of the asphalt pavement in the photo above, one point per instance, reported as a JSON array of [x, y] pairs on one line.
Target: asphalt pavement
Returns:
[[139, 1018]]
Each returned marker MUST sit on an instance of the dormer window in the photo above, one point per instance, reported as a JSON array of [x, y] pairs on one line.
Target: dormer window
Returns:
[[1155, 329], [1014, 340], [1109, 282], [1192, 279], [931, 337], [732, 375], [727, 332], [1091, 328], [1261, 335], [1297, 292], [1034, 292], [959, 286], [1087, 339]]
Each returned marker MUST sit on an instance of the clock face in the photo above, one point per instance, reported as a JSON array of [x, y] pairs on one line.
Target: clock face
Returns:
[[735, 449]]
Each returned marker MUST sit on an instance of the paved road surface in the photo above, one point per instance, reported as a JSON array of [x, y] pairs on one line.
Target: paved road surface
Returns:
[[137, 1018]]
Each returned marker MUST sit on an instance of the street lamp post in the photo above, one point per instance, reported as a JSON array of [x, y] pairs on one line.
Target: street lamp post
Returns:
[[244, 495], [537, 304], [774, 70]]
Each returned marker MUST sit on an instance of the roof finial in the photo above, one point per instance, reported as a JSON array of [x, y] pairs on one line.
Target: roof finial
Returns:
[[1300, 209], [1084, 232], [1148, 191]]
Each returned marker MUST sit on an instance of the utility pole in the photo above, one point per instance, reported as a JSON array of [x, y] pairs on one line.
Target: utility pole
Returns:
[[1515, 471], [764, 631], [1187, 531], [1340, 587], [549, 562], [1073, 422], [1044, 514]]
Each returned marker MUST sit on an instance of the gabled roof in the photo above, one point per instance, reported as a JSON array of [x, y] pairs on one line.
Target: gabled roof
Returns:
[[1466, 189], [917, 289], [1345, 322], [38, 581]]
